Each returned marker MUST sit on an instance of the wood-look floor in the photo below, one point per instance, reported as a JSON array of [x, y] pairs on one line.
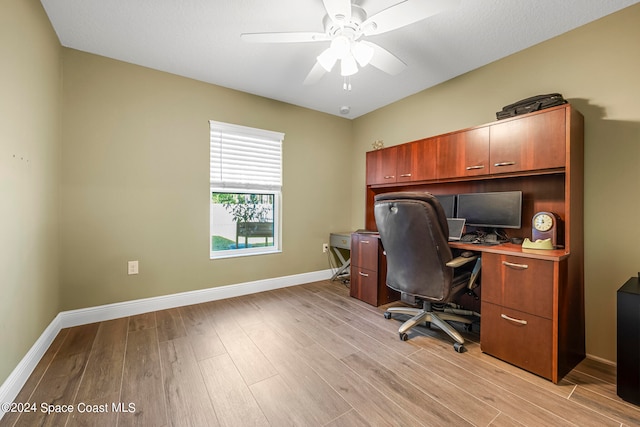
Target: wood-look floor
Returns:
[[302, 356]]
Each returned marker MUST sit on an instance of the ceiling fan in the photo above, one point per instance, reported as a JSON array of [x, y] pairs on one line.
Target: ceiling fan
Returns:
[[346, 26]]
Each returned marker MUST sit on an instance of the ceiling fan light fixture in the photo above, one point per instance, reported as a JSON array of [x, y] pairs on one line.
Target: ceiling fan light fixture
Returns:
[[341, 46], [327, 59], [348, 66], [363, 53]]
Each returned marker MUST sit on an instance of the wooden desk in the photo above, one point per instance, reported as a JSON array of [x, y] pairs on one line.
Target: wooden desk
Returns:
[[532, 300], [531, 315]]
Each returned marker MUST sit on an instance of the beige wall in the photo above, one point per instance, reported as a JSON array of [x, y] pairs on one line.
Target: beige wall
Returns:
[[30, 88], [596, 67], [135, 182]]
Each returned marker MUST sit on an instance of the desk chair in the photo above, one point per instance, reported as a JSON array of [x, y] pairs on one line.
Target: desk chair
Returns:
[[414, 234]]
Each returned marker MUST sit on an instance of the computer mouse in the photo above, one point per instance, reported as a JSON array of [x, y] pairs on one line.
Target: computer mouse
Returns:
[[466, 254]]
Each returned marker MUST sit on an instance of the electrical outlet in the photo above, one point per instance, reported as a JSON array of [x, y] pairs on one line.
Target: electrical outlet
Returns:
[[132, 267], [325, 248]]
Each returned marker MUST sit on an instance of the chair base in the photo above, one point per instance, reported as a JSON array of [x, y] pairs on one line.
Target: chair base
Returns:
[[425, 315]]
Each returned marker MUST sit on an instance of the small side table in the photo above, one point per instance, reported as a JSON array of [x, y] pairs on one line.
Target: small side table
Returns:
[[339, 241]]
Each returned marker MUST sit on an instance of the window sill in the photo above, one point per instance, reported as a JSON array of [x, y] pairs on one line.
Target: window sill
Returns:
[[244, 254]]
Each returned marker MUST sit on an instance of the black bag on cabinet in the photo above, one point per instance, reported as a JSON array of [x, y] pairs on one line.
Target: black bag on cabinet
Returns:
[[528, 105]]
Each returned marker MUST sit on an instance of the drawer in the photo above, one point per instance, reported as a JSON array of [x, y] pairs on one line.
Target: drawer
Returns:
[[519, 338], [364, 285], [364, 251], [523, 284]]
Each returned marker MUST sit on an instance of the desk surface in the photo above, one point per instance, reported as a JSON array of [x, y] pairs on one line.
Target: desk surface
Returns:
[[506, 249], [511, 249]]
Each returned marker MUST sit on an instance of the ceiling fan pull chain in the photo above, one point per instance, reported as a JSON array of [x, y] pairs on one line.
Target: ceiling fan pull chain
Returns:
[[347, 83]]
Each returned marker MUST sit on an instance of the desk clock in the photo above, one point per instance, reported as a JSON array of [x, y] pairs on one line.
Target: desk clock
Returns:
[[545, 225]]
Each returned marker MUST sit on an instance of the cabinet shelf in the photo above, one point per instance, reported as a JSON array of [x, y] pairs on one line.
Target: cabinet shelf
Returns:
[[555, 171]]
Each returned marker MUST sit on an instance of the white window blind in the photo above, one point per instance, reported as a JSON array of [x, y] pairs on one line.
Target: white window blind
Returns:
[[244, 157]]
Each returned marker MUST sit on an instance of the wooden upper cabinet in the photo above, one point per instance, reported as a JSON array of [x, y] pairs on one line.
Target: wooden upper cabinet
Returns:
[[529, 143], [417, 160], [535, 142], [382, 166], [463, 154]]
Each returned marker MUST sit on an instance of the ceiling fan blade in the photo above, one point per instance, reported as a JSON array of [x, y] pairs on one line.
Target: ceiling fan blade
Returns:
[[405, 13], [384, 60], [338, 10], [299, 37], [315, 74]]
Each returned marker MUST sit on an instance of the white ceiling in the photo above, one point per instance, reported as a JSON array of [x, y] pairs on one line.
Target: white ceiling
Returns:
[[200, 39]]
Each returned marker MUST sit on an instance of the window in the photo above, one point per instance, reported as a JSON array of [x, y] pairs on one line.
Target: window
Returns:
[[246, 182]]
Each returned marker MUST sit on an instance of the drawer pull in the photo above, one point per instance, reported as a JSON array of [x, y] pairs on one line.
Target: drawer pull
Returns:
[[470, 168], [363, 274], [514, 265], [522, 322], [504, 164], [364, 241], [405, 175], [389, 176]]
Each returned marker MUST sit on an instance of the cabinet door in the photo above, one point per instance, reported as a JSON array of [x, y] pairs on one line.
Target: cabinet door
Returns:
[[364, 251], [464, 154], [381, 166], [530, 143], [404, 165], [364, 285], [415, 161], [523, 284], [424, 154], [521, 339]]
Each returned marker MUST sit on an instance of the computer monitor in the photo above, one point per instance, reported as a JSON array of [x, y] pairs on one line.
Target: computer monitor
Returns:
[[496, 210], [448, 202]]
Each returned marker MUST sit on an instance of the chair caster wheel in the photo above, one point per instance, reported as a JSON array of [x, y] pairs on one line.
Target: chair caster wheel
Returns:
[[403, 336], [387, 315], [459, 347]]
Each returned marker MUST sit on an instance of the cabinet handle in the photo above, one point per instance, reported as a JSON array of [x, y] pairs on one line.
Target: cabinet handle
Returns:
[[522, 322], [389, 176], [405, 175], [504, 164], [470, 168], [513, 265], [363, 274], [364, 241]]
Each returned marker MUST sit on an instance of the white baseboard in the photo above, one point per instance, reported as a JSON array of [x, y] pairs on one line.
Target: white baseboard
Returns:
[[130, 308], [66, 319], [18, 377]]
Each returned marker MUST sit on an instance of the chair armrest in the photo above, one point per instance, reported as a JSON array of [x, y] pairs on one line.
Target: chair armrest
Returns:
[[460, 261]]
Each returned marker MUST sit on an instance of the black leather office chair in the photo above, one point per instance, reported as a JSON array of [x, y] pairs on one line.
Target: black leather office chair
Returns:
[[414, 234]]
